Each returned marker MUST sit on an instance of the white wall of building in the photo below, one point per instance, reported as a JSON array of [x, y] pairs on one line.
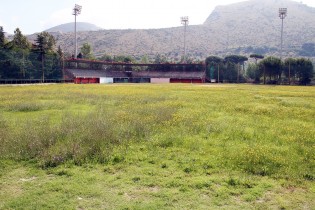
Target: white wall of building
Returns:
[[106, 80], [160, 80]]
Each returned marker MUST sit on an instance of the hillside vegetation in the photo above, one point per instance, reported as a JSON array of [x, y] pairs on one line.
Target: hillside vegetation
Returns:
[[247, 27], [157, 147]]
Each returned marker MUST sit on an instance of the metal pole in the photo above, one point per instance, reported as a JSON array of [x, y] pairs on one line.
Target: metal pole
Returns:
[[185, 43], [282, 15], [76, 11], [184, 21], [75, 37], [281, 39]]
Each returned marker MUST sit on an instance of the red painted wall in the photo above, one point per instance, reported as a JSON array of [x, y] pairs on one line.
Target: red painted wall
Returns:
[[186, 81], [80, 80]]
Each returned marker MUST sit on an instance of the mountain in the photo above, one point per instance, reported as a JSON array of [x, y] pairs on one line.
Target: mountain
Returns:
[[69, 27], [255, 24], [241, 28]]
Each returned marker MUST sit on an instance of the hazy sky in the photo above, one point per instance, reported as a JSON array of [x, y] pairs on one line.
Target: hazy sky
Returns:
[[37, 15]]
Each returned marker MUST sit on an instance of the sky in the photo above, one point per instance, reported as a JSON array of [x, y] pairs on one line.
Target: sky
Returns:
[[33, 16]]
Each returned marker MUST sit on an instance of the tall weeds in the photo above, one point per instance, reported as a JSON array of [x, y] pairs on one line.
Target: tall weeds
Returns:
[[248, 129], [80, 137]]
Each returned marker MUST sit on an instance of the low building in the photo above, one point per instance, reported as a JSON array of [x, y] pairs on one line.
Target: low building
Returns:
[[87, 72]]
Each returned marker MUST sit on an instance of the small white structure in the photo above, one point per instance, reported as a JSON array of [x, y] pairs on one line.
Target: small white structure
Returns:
[[160, 80], [106, 80]]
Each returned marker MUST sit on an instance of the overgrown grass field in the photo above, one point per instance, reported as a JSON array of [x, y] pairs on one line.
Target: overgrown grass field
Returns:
[[157, 147]]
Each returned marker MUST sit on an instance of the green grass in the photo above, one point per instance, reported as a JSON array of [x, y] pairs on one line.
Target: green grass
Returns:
[[157, 147]]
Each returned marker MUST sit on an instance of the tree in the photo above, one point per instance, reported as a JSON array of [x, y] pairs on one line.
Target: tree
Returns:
[[2, 38], [145, 59], [21, 46], [230, 71], [124, 58], [106, 57], [60, 52], [160, 59], [45, 44], [14, 64], [253, 72], [290, 68], [271, 66], [238, 60], [211, 62], [86, 51], [305, 71], [17, 61], [3, 55], [256, 57], [61, 60], [20, 41]]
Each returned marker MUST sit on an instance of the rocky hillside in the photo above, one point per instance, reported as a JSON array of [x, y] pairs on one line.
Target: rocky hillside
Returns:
[[255, 24], [167, 41], [243, 28]]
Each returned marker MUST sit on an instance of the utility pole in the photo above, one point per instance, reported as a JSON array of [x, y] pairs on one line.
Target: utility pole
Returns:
[[76, 11], [185, 21]]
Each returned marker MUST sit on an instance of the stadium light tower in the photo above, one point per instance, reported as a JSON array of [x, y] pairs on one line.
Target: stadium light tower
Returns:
[[76, 11], [185, 21], [282, 14]]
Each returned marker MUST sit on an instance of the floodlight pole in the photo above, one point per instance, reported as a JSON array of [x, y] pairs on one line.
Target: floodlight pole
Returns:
[[75, 37], [76, 11], [185, 21], [282, 15]]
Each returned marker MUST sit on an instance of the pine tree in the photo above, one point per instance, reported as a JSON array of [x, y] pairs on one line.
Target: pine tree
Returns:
[[20, 41], [2, 38], [45, 43]]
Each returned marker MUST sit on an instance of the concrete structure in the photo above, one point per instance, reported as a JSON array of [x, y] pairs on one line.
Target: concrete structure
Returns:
[[84, 72], [160, 80], [106, 80]]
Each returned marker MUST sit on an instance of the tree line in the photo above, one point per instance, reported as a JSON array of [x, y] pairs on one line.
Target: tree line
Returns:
[[20, 59], [269, 70]]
